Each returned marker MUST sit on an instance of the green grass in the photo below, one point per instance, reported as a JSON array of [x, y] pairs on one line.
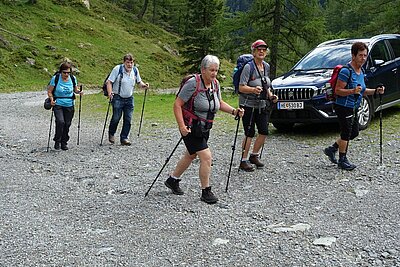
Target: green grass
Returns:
[[158, 108], [94, 40]]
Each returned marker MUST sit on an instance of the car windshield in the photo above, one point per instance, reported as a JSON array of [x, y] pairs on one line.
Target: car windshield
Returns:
[[325, 57]]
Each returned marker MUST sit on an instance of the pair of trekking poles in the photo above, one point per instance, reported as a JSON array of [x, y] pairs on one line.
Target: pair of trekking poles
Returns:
[[108, 111], [79, 121]]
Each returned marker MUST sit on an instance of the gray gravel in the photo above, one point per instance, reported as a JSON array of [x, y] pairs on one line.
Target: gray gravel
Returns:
[[86, 206]]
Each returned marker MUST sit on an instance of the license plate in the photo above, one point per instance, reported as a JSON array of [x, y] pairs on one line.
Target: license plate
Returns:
[[290, 105]]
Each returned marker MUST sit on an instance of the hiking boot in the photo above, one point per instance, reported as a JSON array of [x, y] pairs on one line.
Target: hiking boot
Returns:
[[173, 184], [246, 166], [57, 145], [125, 142], [111, 138], [64, 146], [345, 164], [255, 159], [331, 153], [208, 196]]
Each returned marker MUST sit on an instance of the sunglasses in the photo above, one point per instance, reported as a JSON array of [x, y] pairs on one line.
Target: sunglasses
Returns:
[[66, 72]]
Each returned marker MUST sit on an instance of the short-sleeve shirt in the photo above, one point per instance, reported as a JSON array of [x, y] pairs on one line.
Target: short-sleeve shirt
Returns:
[[349, 101], [127, 83], [252, 100], [64, 91], [201, 103]]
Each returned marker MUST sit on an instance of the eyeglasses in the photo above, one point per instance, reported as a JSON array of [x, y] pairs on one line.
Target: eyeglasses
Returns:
[[261, 49], [66, 72]]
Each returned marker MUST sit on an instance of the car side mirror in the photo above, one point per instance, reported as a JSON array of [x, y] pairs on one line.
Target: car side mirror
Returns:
[[378, 62]]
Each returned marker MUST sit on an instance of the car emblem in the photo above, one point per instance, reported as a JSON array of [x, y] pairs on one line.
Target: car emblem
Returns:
[[291, 94]]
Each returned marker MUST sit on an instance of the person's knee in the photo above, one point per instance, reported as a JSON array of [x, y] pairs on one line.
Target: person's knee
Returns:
[[353, 135], [250, 133], [263, 132], [344, 136]]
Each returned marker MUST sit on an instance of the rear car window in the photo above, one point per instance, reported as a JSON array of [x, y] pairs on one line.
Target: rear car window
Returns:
[[395, 43]]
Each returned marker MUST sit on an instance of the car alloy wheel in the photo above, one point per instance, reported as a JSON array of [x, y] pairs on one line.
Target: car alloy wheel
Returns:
[[364, 113]]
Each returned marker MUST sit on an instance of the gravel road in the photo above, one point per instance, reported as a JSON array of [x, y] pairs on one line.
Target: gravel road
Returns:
[[86, 206]]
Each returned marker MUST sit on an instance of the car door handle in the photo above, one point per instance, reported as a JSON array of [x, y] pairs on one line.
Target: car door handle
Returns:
[[394, 71]]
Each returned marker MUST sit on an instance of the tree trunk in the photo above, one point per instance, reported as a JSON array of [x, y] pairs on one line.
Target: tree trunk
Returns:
[[275, 37], [144, 8]]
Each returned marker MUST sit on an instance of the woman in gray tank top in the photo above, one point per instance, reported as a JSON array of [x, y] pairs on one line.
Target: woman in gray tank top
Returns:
[[194, 108]]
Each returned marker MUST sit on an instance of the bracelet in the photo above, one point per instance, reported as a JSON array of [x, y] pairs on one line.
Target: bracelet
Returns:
[[233, 111]]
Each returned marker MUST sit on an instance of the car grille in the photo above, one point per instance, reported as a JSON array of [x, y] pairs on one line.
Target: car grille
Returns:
[[303, 93]]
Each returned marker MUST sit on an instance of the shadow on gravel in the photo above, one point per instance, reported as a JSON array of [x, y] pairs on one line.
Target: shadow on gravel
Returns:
[[318, 129], [329, 129]]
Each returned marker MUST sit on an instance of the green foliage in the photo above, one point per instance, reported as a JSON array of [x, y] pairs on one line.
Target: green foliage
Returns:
[[200, 38], [95, 40], [366, 18]]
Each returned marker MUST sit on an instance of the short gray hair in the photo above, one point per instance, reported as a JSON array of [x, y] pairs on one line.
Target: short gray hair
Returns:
[[209, 60]]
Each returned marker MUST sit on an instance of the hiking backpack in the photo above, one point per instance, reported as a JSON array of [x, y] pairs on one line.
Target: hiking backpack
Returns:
[[330, 93], [120, 74], [237, 71], [188, 109]]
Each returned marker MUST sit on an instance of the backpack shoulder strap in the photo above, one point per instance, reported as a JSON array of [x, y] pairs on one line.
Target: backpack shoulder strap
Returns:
[[121, 75], [73, 80], [56, 79]]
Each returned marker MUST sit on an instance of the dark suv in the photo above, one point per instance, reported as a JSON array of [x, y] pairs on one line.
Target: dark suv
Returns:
[[301, 91]]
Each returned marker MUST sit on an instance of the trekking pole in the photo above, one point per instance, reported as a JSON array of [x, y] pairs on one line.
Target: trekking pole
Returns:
[[51, 122], [245, 141], [79, 114], [105, 122], [380, 126], [356, 96], [233, 151], [141, 117], [166, 161], [262, 148]]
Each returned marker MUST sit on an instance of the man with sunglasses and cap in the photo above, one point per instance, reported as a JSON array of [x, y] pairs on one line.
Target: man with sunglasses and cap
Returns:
[[256, 98]]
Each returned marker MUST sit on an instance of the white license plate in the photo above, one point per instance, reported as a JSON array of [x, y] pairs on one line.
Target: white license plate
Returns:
[[290, 105]]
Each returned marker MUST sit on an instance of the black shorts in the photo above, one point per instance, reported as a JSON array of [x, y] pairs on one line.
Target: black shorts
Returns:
[[259, 117], [348, 125], [195, 144]]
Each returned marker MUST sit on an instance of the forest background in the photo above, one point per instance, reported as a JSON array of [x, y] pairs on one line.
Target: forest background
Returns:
[[169, 37]]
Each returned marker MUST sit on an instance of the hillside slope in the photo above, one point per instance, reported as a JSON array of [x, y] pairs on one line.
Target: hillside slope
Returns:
[[34, 39]]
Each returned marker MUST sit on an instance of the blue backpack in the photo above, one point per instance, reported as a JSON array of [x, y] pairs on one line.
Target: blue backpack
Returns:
[[237, 71]]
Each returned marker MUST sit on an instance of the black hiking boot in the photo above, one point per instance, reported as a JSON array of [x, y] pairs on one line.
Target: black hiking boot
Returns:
[[345, 164], [57, 145], [208, 196], [173, 184], [64, 146], [246, 166], [331, 153], [255, 159]]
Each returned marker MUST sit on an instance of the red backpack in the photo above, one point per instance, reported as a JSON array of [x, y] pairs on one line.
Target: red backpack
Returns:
[[330, 93], [188, 109]]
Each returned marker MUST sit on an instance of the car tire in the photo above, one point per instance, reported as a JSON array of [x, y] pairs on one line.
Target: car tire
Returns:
[[364, 113], [283, 126]]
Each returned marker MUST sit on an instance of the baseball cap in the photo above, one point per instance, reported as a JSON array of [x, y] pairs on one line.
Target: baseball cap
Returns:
[[258, 43]]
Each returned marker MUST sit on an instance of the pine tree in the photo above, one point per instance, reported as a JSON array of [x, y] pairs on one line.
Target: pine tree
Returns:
[[200, 36]]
